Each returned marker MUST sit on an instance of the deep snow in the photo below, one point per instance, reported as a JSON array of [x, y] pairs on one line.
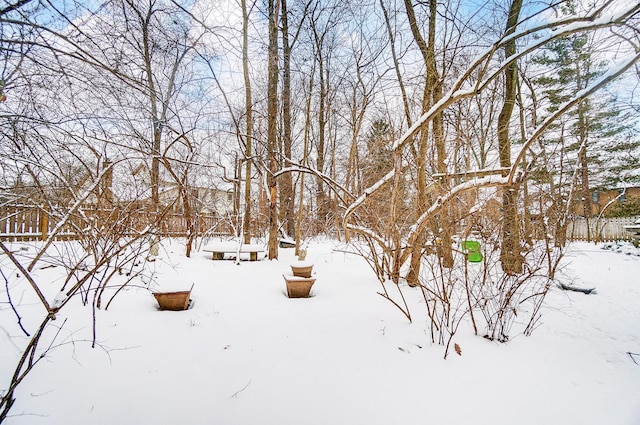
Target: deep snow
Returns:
[[247, 354]]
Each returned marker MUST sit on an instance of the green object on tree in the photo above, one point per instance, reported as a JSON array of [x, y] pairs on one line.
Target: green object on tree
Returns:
[[472, 250]]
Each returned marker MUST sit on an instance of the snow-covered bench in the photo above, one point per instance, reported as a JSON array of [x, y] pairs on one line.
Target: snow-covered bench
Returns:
[[634, 230], [219, 249]]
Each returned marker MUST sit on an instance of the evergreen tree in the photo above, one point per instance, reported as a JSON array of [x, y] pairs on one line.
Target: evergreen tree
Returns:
[[378, 160], [620, 150], [596, 135]]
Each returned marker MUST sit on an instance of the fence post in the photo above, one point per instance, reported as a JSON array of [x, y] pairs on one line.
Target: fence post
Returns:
[[43, 224]]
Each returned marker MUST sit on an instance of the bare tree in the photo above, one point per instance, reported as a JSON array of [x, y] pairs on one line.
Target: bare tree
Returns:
[[272, 116], [510, 253], [248, 142], [286, 181]]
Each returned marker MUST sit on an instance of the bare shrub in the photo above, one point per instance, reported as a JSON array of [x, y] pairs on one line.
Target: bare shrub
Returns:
[[104, 254]]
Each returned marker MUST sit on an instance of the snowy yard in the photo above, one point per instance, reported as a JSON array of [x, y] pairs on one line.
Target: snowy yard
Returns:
[[246, 354]]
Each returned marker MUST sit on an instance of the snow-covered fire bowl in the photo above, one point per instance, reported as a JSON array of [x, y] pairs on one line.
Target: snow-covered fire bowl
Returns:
[[298, 286], [301, 268], [173, 300]]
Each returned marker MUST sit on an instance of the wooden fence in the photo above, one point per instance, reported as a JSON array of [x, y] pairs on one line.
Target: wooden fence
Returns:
[[28, 223], [607, 229]]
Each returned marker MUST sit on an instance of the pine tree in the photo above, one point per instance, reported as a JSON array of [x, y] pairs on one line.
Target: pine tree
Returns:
[[378, 160], [596, 132]]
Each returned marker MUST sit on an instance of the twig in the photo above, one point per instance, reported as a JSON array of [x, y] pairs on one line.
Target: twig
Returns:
[[13, 307], [27, 276], [235, 395], [631, 355], [404, 311]]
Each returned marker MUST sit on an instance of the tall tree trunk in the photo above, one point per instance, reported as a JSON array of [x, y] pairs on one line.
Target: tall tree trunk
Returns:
[[421, 160], [510, 255], [427, 49], [156, 123], [307, 130], [321, 198], [246, 221], [272, 116], [286, 180], [323, 81], [583, 163], [444, 221], [527, 227]]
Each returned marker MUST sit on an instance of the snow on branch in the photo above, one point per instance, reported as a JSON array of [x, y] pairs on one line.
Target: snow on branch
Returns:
[[361, 199], [422, 221]]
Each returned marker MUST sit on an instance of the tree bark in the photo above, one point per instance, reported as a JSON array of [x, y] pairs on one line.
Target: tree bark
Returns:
[[510, 255], [431, 94], [322, 207], [286, 180], [248, 143], [305, 149], [272, 116], [583, 163]]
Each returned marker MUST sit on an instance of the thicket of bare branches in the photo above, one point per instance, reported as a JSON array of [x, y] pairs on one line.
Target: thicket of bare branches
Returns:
[[456, 198]]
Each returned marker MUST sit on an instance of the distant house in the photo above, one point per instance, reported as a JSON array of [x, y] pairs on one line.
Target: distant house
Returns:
[[205, 200], [601, 198], [64, 190]]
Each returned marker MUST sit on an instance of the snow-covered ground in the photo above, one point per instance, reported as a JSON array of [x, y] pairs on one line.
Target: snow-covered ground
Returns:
[[247, 354]]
